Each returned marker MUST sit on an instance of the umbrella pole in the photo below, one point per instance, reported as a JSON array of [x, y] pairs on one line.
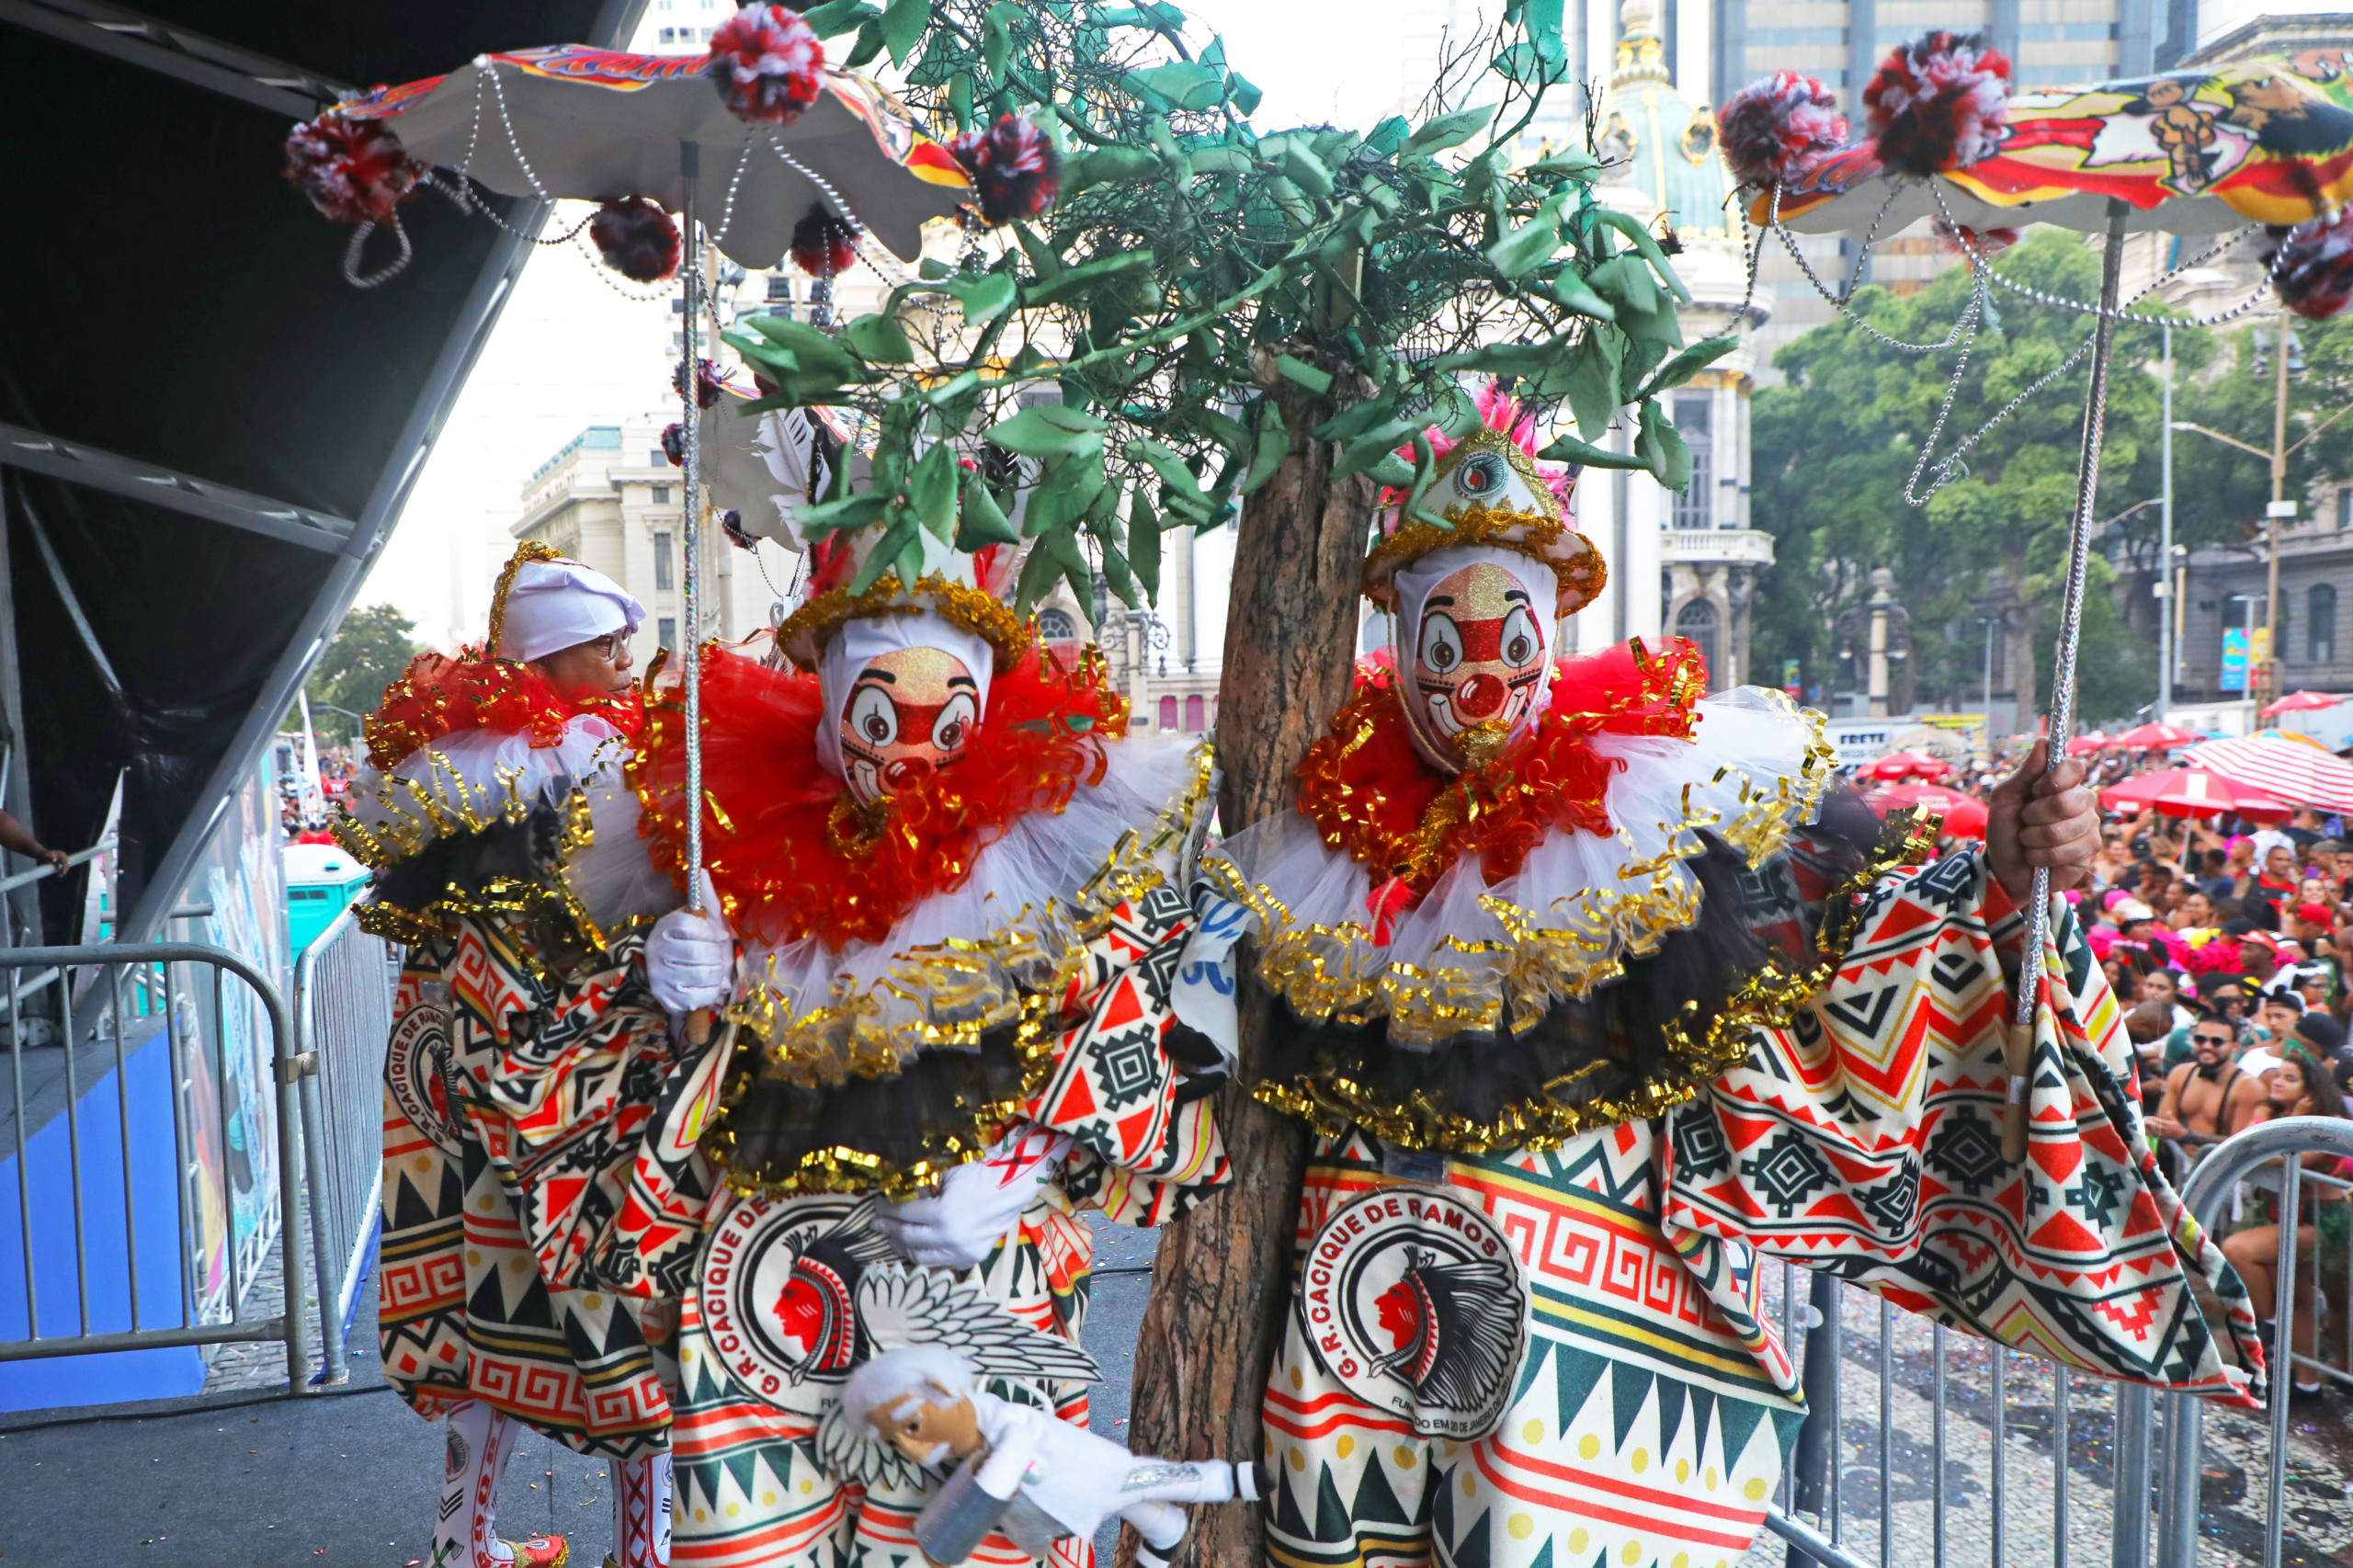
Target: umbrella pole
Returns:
[[2019, 1054], [690, 587]]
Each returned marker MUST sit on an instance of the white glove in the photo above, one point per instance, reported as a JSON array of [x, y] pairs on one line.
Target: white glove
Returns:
[[691, 958], [977, 1203]]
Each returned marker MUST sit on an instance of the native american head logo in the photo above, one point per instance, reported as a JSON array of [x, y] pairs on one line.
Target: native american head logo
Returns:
[[1414, 1301]]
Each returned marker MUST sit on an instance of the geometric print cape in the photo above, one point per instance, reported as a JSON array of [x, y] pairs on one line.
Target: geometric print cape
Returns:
[[529, 1212], [1866, 1140]]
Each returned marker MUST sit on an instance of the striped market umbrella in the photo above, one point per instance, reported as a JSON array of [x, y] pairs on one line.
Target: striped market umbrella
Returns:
[[2289, 767]]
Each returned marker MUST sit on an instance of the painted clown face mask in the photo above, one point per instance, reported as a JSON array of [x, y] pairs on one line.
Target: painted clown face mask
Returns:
[[1477, 666], [910, 712]]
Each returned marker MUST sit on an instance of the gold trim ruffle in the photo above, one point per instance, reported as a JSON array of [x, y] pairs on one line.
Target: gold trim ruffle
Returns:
[[1335, 973], [416, 816], [966, 988], [959, 604], [1698, 1051]]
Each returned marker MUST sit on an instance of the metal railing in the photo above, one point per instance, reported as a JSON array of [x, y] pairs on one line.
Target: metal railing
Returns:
[[1877, 1380], [343, 1016], [138, 980]]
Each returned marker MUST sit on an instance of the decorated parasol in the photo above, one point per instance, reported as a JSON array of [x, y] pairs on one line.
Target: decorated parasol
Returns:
[[2188, 791], [2154, 737], [1898, 766], [2254, 147], [2300, 703], [760, 132]]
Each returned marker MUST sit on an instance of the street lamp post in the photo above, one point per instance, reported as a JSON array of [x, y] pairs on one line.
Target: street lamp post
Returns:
[[1987, 622], [2165, 547], [2273, 514]]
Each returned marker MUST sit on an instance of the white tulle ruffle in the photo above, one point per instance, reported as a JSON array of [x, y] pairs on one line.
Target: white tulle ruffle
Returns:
[[1565, 922], [473, 780], [956, 964]]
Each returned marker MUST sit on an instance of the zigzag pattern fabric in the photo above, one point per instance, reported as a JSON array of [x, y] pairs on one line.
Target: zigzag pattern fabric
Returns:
[[520, 1186], [1555, 1358], [1868, 1141], [751, 1488]]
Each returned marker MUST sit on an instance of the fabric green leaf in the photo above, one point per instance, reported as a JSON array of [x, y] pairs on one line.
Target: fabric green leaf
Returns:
[[1569, 449], [1144, 542], [879, 340], [1662, 448], [1047, 431], [981, 521], [1447, 131], [1180, 84], [1688, 363], [902, 25], [1305, 374]]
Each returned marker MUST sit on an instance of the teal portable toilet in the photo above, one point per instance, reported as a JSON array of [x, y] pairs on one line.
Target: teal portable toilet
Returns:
[[321, 881]]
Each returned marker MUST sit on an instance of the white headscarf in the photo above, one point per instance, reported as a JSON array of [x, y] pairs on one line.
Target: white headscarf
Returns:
[[1417, 579], [555, 605], [862, 640]]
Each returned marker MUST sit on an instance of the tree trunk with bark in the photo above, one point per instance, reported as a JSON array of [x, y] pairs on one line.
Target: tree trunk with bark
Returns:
[[1221, 1279]]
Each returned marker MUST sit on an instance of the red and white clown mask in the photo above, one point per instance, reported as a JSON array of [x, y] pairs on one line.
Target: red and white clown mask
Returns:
[[1474, 636], [905, 693]]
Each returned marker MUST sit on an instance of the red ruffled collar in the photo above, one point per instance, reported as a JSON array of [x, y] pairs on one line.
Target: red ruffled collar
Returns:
[[786, 845], [438, 694], [1372, 795]]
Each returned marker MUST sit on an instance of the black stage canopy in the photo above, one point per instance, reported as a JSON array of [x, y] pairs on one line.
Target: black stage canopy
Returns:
[[205, 433]]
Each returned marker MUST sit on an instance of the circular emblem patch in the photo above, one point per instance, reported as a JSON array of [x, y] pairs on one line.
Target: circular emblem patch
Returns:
[[779, 1292], [1414, 1302], [416, 1066]]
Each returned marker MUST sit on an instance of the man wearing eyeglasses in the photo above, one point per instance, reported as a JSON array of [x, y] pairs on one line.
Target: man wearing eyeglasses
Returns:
[[2210, 1095]]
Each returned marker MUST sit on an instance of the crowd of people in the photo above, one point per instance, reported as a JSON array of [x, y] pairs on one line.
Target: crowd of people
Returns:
[[2229, 946]]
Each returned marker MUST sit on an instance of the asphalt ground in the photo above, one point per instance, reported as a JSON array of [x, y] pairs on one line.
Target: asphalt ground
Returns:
[[255, 1480]]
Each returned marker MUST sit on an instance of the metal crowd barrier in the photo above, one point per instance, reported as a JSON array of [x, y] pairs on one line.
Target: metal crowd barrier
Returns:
[[138, 981], [343, 1013], [2023, 1473]]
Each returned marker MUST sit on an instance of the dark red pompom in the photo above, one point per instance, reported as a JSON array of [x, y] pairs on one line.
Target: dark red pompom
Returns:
[[674, 444], [2315, 277], [354, 171], [1779, 128], [731, 523], [636, 238], [767, 63], [1938, 102], [709, 383], [1016, 171], [823, 245]]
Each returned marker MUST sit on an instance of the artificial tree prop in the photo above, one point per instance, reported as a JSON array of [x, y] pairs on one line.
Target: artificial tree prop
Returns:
[[1266, 320]]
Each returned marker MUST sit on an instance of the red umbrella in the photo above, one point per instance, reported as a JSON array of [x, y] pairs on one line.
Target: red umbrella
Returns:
[[2084, 744], [1963, 817], [1897, 765], [2154, 737], [2188, 791], [2301, 702]]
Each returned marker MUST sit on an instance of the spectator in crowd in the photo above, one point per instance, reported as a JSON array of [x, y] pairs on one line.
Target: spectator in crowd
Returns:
[[2193, 911], [2164, 986], [2216, 881], [2210, 1096], [2301, 1087], [2276, 880]]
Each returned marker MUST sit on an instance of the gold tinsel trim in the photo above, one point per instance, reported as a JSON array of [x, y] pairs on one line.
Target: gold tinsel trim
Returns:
[[959, 604], [966, 987], [1336, 974], [416, 814], [1769, 997]]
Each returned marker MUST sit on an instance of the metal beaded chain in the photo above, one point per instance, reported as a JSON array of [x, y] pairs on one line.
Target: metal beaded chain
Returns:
[[1840, 301], [880, 260]]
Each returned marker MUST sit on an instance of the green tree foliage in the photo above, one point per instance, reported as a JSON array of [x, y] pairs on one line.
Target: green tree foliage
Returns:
[[1193, 264], [1836, 447], [368, 653]]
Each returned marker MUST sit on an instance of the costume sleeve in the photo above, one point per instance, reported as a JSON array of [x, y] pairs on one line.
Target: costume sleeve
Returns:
[[1865, 1138], [580, 1097], [1130, 1083]]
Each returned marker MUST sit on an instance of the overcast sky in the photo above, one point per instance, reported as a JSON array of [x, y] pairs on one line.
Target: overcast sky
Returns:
[[570, 350]]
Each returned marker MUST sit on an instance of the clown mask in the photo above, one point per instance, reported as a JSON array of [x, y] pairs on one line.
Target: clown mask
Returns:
[[1475, 669], [908, 712]]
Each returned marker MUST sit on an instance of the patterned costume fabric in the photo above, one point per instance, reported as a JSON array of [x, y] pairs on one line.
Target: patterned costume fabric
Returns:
[[533, 1220], [789, 1284], [1553, 1356]]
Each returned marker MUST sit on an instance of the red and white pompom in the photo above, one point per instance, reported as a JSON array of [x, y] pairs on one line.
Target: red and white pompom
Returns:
[[2314, 278], [354, 171], [1016, 171], [1778, 130], [709, 383], [636, 238], [768, 65], [1938, 102], [824, 245], [674, 444]]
